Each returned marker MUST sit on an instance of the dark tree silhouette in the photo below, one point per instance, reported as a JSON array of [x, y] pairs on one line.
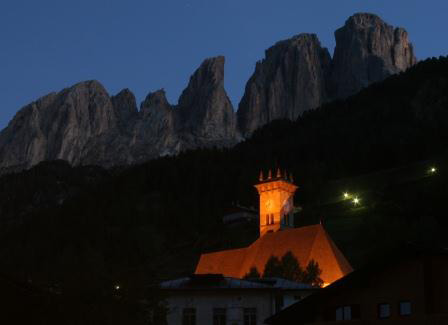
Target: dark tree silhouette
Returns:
[[312, 274], [253, 273], [273, 268], [291, 268], [288, 267]]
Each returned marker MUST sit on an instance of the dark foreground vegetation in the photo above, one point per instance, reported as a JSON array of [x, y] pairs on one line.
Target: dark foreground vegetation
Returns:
[[76, 233]]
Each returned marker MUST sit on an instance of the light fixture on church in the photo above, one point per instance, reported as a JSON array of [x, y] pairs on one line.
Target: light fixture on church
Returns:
[[117, 287], [433, 170], [356, 201], [346, 195]]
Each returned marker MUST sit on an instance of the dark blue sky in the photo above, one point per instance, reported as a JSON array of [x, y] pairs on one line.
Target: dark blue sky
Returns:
[[47, 45]]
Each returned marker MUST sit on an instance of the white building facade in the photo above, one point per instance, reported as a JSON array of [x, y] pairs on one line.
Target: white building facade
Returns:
[[218, 300]]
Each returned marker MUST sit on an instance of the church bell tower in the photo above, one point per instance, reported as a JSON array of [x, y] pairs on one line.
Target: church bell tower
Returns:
[[276, 201]]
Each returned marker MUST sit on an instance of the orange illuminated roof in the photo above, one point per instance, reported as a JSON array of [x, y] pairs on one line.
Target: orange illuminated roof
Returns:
[[306, 243]]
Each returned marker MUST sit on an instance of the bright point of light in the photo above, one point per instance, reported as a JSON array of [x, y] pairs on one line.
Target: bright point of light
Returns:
[[117, 287], [346, 195], [355, 201], [433, 170]]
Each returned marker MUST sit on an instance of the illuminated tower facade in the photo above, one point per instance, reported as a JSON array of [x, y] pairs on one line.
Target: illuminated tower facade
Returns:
[[276, 202]]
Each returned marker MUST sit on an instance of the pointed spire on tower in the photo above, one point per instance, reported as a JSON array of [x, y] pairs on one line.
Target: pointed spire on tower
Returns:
[[279, 173], [260, 178], [270, 174], [321, 222]]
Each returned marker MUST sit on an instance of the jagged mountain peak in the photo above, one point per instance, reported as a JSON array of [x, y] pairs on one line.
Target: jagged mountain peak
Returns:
[[125, 92], [93, 86], [368, 50], [125, 107], [299, 74], [58, 126], [294, 42], [299, 38], [209, 74], [204, 109], [155, 100], [287, 82], [364, 19]]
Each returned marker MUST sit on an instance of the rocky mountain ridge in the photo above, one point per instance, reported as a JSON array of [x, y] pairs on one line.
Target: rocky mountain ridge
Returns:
[[84, 125], [299, 74]]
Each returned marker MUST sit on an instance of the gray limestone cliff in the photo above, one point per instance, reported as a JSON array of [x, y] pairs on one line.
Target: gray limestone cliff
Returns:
[[155, 130], [289, 81], [298, 74], [58, 126], [84, 125], [204, 110], [125, 108], [368, 50]]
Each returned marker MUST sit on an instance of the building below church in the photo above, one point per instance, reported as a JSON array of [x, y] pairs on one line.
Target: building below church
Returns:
[[215, 299], [277, 237]]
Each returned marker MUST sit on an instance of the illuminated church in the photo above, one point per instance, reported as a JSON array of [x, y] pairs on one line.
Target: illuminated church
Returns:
[[278, 236]]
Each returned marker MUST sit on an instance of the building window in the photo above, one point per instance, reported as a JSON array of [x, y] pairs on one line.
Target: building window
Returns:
[[383, 310], [250, 316], [189, 316], [340, 313], [279, 302], [347, 312], [405, 308], [219, 316], [269, 219], [344, 313]]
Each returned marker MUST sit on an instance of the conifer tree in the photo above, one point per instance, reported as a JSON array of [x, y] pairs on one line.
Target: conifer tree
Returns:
[[290, 267], [273, 268], [312, 274], [253, 273]]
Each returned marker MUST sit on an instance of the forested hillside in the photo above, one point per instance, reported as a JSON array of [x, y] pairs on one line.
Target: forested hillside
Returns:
[[86, 229]]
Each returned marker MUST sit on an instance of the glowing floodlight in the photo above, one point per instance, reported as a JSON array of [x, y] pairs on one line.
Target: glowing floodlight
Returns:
[[117, 287], [433, 170], [356, 201], [346, 195]]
